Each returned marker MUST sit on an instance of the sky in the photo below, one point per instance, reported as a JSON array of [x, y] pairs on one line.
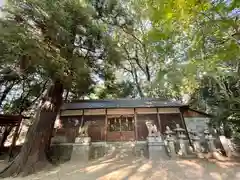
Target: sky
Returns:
[[1, 2]]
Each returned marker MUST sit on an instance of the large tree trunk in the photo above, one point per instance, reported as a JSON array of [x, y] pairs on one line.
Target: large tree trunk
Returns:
[[33, 153]]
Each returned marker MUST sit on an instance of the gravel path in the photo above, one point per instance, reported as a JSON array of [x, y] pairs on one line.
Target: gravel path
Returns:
[[131, 168]]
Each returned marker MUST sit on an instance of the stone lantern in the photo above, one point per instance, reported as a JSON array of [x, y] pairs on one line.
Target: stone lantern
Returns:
[[169, 142], [196, 143], [180, 132]]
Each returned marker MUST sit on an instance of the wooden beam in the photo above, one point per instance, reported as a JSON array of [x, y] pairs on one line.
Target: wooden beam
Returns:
[[106, 125], [120, 111], [159, 121], [135, 125], [71, 112], [146, 110], [94, 112], [168, 110]]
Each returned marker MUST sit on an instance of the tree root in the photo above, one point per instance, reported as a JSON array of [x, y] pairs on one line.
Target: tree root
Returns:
[[14, 169]]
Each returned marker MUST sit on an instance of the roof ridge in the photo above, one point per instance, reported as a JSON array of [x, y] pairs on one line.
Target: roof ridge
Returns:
[[121, 103], [122, 99]]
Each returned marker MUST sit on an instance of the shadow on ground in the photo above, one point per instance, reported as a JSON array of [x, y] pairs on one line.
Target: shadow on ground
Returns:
[[125, 166]]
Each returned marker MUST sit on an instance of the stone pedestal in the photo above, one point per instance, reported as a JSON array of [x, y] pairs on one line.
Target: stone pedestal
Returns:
[[182, 147], [83, 140], [80, 153], [156, 148], [170, 145], [61, 152], [81, 149]]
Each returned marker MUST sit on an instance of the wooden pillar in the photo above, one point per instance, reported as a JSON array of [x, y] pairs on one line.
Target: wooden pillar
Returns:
[[135, 125], [159, 121], [106, 125]]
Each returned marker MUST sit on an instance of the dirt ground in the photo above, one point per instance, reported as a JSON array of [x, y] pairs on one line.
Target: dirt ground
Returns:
[[131, 168]]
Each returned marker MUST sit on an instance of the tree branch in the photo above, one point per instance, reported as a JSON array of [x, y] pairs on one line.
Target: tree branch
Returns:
[[135, 76]]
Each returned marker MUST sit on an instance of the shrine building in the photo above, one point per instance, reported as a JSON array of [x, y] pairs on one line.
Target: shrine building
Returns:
[[124, 119]]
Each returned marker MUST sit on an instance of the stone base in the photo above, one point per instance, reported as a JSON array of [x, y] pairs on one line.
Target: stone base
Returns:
[[81, 149], [61, 153], [156, 148], [83, 140], [154, 140], [80, 152]]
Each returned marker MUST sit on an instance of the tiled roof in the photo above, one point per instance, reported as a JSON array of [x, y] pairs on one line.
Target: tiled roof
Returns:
[[121, 103]]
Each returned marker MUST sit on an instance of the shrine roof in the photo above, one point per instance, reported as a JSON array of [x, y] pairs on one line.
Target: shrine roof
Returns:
[[121, 103]]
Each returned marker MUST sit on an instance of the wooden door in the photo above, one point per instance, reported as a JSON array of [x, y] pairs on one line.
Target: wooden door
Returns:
[[120, 128]]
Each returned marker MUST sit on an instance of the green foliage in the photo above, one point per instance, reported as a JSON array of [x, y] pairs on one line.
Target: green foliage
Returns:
[[66, 40], [116, 90], [197, 48], [221, 97], [111, 49]]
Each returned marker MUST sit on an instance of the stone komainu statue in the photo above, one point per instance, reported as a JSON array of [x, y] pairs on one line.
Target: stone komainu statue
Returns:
[[152, 129], [83, 131]]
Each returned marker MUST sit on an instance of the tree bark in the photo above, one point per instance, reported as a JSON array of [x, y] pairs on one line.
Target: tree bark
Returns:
[[137, 83], [32, 156]]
